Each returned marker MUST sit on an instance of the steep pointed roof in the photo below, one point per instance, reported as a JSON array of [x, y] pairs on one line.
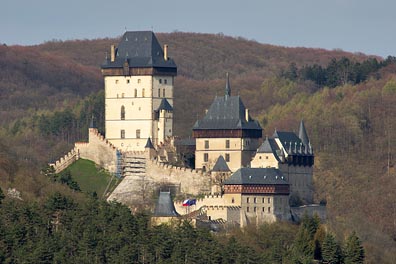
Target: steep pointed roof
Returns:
[[227, 112], [221, 165], [302, 134], [266, 147], [139, 49], [165, 206], [228, 86], [269, 146], [149, 144], [165, 105]]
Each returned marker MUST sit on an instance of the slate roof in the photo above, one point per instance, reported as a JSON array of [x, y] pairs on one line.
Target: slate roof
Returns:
[[165, 206], [256, 176], [302, 134], [165, 105], [149, 144], [140, 49], [221, 165], [226, 112], [269, 146]]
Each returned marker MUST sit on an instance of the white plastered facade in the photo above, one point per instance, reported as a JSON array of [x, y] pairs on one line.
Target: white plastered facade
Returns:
[[130, 105]]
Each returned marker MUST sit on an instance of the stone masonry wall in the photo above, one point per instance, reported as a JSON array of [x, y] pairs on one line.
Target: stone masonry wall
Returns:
[[65, 161], [191, 181], [99, 150]]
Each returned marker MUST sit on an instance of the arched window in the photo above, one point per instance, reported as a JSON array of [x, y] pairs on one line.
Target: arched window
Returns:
[[143, 92], [122, 112], [135, 92]]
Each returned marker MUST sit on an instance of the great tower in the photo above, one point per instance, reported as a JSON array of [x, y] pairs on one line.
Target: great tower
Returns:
[[139, 80]]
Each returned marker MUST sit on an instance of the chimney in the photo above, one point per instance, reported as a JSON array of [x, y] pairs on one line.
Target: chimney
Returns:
[[112, 53], [247, 114], [165, 52]]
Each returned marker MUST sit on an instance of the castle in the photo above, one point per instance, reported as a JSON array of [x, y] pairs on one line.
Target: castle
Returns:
[[246, 179]]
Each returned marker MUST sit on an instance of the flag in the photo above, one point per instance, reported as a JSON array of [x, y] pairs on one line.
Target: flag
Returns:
[[189, 202]]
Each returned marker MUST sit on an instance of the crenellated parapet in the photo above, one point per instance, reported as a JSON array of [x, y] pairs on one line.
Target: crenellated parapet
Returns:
[[66, 160]]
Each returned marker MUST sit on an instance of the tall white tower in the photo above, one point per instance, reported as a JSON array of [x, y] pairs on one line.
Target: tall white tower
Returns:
[[139, 79]]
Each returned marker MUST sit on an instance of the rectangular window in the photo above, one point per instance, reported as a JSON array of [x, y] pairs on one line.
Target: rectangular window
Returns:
[[206, 157], [263, 209], [269, 209], [263, 200], [206, 144], [135, 92], [122, 133], [163, 93], [128, 81], [137, 133], [165, 81], [254, 200], [160, 80], [254, 209], [247, 209], [269, 200], [227, 157], [159, 92], [227, 143], [247, 200]]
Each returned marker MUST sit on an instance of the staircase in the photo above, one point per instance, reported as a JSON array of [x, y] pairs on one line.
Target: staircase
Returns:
[[133, 190]]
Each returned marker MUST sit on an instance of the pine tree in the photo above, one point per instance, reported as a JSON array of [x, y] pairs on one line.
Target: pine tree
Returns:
[[354, 251], [331, 251], [2, 196]]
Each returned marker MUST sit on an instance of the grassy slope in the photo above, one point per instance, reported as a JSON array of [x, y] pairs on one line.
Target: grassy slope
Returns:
[[89, 178]]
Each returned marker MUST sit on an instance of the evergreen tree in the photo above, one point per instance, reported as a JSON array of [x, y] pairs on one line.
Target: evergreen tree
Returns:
[[2, 196], [354, 251], [331, 251]]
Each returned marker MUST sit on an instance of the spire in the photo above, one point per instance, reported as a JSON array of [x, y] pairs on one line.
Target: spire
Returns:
[[302, 133], [149, 144], [228, 86]]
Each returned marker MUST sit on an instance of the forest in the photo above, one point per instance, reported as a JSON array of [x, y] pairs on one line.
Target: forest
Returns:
[[61, 230], [49, 92]]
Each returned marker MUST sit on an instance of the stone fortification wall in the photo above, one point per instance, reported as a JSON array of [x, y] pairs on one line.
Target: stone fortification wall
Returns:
[[140, 182], [66, 160], [99, 150], [208, 200], [191, 181]]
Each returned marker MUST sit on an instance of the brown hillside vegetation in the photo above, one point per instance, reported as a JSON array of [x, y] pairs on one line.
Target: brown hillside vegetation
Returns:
[[49, 92]]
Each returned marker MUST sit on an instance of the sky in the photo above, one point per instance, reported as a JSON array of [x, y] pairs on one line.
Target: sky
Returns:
[[365, 26]]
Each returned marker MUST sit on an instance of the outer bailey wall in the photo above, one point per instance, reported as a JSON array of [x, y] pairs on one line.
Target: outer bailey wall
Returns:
[[191, 181], [99, 150]]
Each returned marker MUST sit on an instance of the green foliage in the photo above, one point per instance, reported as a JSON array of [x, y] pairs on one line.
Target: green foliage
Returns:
[[338, 72], [65, 177], [2, 196], [353, 250], [90, 178], [331, 250]]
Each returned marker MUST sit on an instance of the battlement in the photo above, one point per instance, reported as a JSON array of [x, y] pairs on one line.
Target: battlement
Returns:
[[66, 160]]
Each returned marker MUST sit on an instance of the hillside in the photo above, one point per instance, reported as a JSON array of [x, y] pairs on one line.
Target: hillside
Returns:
[[49, 92]]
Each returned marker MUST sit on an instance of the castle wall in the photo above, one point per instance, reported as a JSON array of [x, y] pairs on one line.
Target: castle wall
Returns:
[[300, 180], [65, 161], [191, 181], [99, 150]]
